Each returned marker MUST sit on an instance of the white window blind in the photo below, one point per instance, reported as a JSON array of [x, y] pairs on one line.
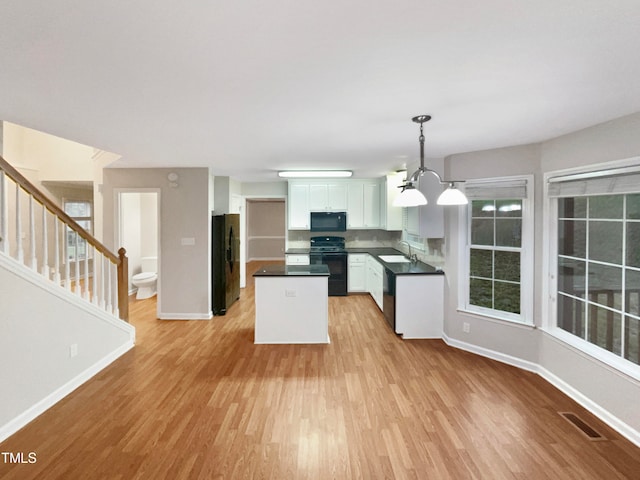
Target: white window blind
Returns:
[[512, 189], [617, 181]]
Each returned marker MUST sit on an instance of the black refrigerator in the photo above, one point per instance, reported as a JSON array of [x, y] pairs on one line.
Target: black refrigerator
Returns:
[[225, 261]]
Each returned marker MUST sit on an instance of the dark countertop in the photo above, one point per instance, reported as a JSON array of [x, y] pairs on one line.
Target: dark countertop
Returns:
[[418, 268], [297, 251], [293, 271]]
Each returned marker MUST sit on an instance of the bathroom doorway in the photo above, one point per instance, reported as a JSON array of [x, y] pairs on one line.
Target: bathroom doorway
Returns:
[[138, 231]]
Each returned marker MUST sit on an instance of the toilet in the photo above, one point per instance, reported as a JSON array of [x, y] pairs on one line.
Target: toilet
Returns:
[[146, 280]]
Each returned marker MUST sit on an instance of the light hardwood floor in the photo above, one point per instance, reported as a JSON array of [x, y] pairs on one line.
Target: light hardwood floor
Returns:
[[197, 399]]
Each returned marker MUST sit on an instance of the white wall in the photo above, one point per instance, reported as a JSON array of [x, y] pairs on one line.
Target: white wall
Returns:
[[55, 159], [185, 283], [130, 231], [37, 329], [264, 189], [611, 395], [148, 225]]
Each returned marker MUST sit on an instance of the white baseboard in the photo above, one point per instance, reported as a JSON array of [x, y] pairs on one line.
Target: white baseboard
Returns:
[[607, 417], [185, 316], [614, 422], [492, 354], [50, 400]]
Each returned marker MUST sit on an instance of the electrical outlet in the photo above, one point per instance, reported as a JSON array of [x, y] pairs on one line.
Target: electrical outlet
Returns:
[[290, 293], [73, 350], [466, 328]]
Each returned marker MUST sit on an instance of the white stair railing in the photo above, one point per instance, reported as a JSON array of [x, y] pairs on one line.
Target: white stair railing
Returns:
[[93, 273]]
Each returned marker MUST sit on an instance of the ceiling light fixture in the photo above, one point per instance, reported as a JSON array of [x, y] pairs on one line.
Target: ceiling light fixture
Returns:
[[410, 196], [314, 173]]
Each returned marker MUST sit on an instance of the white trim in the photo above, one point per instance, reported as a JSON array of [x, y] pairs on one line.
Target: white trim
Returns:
[[607, 417], [526, 250], [54, 397], [489, 315], [550, 274], [59, 291], [185, 316], [117, 230], [492, 354]]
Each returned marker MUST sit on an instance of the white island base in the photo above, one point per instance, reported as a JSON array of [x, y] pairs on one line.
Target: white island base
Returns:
[[291, 308]]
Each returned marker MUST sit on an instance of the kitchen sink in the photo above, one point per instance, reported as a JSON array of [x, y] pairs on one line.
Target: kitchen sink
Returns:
[[394, 258]]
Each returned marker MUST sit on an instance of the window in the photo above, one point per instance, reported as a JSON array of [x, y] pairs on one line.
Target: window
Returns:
[[80, 211], [596, 256], [498, 252]]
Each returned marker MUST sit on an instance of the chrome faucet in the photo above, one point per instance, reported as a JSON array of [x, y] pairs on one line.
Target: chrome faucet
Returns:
[[413, 257]]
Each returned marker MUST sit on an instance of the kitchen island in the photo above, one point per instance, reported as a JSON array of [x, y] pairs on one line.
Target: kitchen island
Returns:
[[292, 304]]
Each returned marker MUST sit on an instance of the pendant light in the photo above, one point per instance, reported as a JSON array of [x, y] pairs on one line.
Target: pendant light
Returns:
[[410, 196]]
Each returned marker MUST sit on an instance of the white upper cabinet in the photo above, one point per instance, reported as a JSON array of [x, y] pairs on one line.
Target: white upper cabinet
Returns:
[[355, 210], [372, 205], [391, 216], [364, 204], [361, 199], [327, 197], [298, 206]]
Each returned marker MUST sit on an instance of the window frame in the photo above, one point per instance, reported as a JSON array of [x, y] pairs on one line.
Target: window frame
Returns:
[[550, 266], [526, 249], [88, 251]]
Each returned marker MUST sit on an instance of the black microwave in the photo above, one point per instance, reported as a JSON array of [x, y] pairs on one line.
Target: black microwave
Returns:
[[328, 221]]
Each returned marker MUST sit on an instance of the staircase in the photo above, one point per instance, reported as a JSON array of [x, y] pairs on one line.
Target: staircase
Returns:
[[38, 234], [63, 303]]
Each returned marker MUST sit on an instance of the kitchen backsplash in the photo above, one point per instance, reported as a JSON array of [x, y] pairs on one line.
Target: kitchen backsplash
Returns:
[[431, 250], [353, 238]]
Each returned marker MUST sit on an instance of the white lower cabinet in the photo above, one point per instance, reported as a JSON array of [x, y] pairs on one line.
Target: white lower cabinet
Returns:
[[296, 259], [419, 306], [357, 274], [375, 280]]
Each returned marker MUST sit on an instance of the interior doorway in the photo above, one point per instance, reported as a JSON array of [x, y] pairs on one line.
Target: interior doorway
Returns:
[[266, 229], [138, 231]]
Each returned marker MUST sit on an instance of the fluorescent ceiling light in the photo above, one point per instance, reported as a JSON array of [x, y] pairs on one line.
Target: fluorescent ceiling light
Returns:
[[314, 173]]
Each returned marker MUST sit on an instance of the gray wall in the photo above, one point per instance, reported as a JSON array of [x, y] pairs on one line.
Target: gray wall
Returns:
[[613, 391], [504, 337], [266, 229], [184, 281], [607, 392]]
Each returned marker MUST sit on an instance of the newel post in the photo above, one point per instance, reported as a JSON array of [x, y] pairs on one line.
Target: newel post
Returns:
[[123, 285]]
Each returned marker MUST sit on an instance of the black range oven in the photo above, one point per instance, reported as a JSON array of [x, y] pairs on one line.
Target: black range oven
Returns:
[[330, 251]]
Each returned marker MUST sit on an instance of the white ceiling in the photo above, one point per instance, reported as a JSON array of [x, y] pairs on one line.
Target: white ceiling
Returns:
[[248, 87]]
